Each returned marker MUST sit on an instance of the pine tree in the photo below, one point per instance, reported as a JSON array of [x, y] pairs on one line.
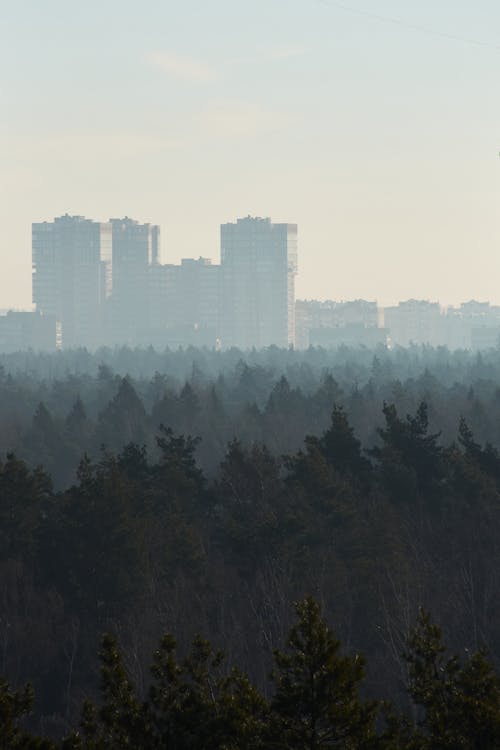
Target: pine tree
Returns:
[[317, 703], [14, 706], [121, 721], [193, 705], [460, 703]]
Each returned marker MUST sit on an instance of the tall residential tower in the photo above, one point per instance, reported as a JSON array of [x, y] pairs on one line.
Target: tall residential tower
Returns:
[[135, 250], [258, 269], [72, 276]]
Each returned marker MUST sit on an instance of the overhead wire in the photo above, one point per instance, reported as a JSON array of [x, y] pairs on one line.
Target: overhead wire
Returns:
[[408, 25]]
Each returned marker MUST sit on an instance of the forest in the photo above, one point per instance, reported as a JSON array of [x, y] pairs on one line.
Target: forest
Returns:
[[274, 549]]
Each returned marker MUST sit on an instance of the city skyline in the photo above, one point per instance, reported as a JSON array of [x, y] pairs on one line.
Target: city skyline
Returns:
[[380, 139], [165, 258], [101, 284], [153, 250]]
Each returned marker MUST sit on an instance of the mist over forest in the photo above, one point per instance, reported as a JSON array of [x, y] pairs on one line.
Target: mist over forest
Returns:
[[54, 408], [327, 495]]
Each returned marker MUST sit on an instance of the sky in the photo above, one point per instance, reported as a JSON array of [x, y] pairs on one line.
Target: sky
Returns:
[[372, 124]]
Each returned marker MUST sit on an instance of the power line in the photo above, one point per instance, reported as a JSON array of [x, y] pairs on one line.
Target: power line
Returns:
[[408, 25]]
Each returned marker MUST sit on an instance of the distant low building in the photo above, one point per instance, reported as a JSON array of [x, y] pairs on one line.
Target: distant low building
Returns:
[[184, 303], [313, 315], [197, 294], [22, 330], [472, 325], [415, 322], [162, 296]]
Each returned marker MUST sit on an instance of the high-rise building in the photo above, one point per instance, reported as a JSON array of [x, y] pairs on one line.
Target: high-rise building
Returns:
[[72, 276], [258, 269], [135, 250]]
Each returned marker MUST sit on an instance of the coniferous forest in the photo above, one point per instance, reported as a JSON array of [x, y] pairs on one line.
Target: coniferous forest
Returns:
[[275, 549]]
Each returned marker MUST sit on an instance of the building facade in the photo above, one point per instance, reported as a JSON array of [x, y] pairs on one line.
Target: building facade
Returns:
[[72, 276], [184, 302], [103, 284], [23, 329], [313, 315], [258, 269], [136, 248], [472, 325], [197, 294], [415, 322]]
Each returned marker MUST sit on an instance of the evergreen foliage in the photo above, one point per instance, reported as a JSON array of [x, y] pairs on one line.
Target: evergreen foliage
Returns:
[[373, 485], [317, 701]]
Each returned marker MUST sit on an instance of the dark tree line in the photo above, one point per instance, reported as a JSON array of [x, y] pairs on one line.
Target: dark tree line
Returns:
[[316, 700], [144, 542]]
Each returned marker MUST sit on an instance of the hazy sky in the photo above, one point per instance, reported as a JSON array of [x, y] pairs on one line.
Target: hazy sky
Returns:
[[379, 138]]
